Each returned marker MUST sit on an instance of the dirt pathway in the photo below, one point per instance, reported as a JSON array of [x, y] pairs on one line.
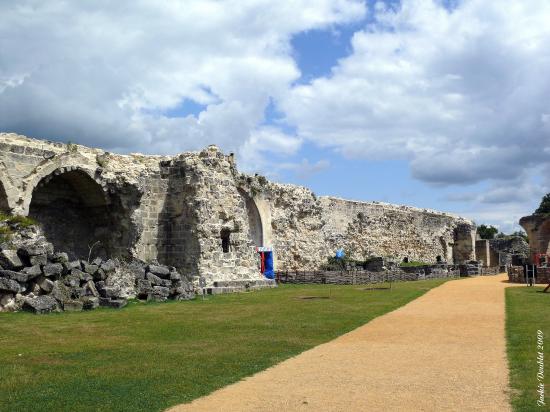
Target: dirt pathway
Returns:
[[444, 351]]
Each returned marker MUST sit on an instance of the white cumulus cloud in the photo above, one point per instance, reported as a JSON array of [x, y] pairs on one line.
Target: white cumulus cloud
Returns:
[[104, 73], [462, 93]]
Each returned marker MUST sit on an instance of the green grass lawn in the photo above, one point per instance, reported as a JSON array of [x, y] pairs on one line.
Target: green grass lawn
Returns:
[[151, 356], [527, 310]]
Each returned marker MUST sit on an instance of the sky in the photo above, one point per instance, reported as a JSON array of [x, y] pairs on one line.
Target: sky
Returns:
[[441, 104]]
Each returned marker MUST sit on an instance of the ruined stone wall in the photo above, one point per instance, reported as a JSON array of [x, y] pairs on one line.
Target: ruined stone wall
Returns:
[[296, 227], [68, 187], [306, 230], [155, 208], [537, 228], [483, 253], [195, 212], [514, 245], [510, 250], [167, 224], [464, 242], [221, 208], [379, 229]]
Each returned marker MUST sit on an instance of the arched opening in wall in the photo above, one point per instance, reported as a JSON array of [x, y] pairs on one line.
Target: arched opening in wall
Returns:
[[255, 230], [74, 214], [438, 259], [405, 259], [4, 205], [225, 236]]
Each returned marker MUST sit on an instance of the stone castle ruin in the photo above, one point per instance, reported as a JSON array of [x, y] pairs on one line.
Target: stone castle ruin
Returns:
[[195, 212]]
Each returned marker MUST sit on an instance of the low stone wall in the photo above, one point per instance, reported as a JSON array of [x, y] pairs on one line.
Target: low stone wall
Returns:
[[543, 275], [361, 277], [471, 268], [516, 274], [494, 270]]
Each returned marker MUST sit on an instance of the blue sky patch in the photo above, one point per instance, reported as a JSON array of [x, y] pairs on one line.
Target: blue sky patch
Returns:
[[186, 108]]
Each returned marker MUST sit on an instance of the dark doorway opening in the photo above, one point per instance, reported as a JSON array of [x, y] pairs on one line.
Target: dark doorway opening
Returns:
[[226, 240], [73, 213]]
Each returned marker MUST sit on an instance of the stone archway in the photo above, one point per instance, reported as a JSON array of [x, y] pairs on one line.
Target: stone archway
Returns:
[[73, 211], [255, 224]]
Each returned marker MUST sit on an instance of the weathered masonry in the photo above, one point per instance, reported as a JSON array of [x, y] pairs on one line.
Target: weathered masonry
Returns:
[[537, 227], [196, 212]]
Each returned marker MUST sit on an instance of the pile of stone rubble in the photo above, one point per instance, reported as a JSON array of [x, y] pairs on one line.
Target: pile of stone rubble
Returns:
[[35, 278]]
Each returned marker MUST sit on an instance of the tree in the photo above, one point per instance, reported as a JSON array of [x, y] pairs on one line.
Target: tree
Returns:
[[544, 205], [487, 232]]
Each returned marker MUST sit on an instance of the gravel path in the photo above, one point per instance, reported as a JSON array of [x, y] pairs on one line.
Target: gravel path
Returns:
[[445, 351]]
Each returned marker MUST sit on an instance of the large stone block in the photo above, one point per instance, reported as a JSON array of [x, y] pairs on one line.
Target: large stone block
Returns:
[[89, 289], [109, 292], [137, 269], [60, 292], [73, 306], [35, 249], [89, 268], [73, 281], [109, 266], [45, 284], [144, 287], [113, 303], [89, 302], [33, 271], [160, 271], [9, 285], [83, 276], [38, 260], [60, 257], [41, 304], [175, 276], [17, 276], [53, 269], [154, 279], [161, 291], [10, 260]]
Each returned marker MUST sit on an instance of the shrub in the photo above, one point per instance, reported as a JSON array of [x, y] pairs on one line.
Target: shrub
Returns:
[[102, 160], [5, 234], [17, 220], [487, 232], [544, 206], [413, 263], [71, 147]]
